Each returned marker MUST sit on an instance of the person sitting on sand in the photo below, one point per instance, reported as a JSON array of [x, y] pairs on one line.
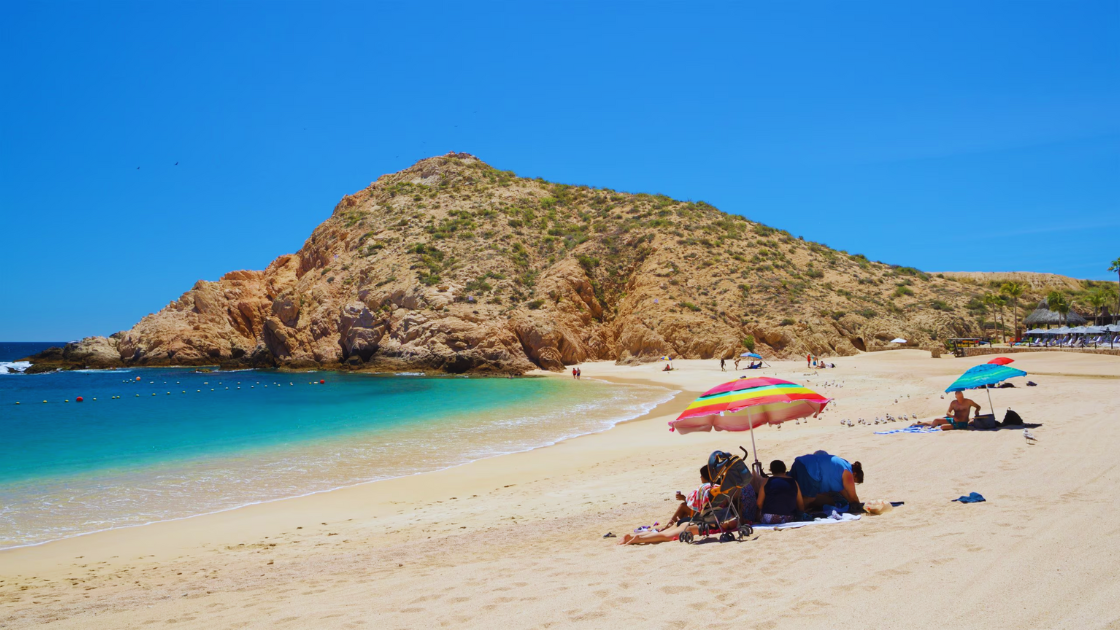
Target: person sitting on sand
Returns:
[[825, 479], [671, 534], [780, 499], [957, 413], [690, 505], [667, 368]]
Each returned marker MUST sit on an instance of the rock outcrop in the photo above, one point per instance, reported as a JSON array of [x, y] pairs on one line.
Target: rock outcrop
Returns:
[[454, 266]]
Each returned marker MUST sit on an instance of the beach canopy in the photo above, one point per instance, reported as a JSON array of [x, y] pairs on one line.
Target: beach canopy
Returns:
[[898, 340], [751, 355], [746, 403], [1001, 361]]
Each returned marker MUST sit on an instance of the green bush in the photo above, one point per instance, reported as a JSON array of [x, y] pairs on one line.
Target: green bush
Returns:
[[690, 306], [903, 290], [787, 322], [535, 304], [587, 262], [748, 343]]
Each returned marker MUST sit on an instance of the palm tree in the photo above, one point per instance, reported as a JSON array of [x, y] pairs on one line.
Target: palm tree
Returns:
[[1098, 299], [1013, 290], [1116, 267], [991, 300], [1062, 308], [1053, 299]]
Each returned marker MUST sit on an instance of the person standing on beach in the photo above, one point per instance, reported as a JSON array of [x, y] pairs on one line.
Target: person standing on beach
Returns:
[[723, 365], [736, 364], [808, 360]]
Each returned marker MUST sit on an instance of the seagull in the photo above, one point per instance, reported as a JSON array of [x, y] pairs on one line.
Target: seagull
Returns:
[[1031, 439]]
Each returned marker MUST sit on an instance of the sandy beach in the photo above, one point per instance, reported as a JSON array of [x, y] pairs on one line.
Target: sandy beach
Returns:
[[517, 540]]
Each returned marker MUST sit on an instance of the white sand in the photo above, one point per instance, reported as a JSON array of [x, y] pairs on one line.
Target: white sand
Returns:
[[516, 541]]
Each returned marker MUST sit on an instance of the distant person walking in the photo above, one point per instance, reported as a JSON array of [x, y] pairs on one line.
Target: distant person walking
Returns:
[[808, 360], [723, 365]]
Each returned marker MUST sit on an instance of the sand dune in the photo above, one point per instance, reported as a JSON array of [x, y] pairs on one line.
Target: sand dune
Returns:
[[517, 540]]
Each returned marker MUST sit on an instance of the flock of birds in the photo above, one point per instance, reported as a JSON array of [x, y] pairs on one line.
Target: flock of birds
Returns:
[[888, 418]]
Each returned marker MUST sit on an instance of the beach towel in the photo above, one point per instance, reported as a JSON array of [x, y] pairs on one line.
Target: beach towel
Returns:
[[971, 497], [843, 518], [910, 430], [696, 498]]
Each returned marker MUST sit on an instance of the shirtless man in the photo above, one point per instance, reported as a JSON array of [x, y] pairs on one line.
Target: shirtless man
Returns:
[[958, 409]]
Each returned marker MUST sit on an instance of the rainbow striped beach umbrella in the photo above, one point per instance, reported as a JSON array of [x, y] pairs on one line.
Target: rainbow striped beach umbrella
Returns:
[[746, 403]]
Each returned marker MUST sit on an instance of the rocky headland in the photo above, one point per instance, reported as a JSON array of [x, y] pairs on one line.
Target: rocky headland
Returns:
[[454, 266]]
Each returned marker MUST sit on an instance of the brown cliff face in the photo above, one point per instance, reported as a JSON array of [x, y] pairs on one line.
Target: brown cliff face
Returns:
[[453, 265]]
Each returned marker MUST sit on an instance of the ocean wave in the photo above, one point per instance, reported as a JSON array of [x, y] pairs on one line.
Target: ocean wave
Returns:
[[14, 367]]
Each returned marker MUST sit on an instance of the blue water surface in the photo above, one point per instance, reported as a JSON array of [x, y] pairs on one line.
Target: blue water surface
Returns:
[[175, 414]]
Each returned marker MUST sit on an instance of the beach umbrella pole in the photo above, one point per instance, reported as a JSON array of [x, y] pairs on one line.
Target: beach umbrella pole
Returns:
[[990, 405], [754, 449]]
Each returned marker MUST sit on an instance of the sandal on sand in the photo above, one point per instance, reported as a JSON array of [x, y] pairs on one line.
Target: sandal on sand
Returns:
[[609, 535]]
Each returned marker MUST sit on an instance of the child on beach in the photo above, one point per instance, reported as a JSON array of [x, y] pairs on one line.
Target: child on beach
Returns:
[[690, 505]]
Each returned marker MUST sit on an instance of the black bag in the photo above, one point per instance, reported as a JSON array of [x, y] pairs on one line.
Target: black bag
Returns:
[[1011, 419]]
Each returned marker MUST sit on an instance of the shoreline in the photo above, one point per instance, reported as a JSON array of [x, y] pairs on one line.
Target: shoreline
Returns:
[[521, 535], [648, 407]]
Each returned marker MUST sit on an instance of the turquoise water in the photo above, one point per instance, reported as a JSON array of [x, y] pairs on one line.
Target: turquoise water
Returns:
[[177, 443]]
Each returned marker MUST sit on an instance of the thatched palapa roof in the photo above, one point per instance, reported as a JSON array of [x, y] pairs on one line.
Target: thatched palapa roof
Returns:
[[1043, 316]]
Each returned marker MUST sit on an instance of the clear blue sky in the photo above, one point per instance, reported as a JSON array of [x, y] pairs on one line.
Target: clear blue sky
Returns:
[[942, 135]]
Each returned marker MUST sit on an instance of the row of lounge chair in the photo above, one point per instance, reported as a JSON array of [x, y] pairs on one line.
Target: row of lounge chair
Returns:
[[1072, 341]]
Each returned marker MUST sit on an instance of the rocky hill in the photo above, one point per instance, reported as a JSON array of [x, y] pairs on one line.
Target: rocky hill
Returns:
[[456, 266], [1036, 281]]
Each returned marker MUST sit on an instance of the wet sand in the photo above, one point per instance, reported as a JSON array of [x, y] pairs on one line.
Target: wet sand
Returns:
[[517, 540]]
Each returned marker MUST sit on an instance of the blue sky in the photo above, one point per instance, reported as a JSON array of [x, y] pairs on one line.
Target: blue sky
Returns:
[[946, 136]]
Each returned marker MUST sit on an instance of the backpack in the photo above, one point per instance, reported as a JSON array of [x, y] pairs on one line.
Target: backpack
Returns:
[[1011, 419]]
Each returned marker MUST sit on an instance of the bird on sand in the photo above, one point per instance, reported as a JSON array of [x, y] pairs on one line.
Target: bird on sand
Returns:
[[1031, 439]]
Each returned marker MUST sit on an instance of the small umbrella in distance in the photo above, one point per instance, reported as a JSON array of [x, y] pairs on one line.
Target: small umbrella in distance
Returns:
[[1001, 361], [983, 375], [743, 404]]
